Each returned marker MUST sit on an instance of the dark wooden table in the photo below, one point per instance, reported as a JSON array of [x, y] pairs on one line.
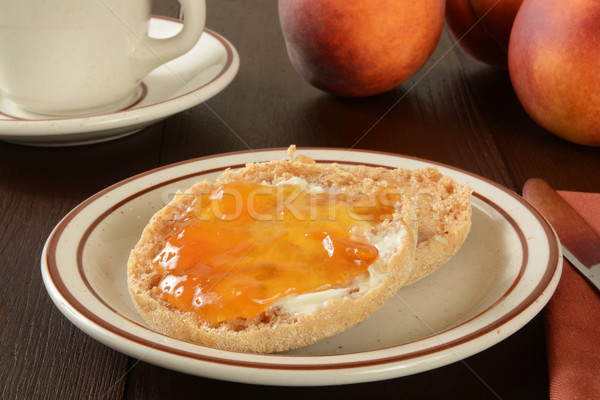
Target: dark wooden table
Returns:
[[455, 111]]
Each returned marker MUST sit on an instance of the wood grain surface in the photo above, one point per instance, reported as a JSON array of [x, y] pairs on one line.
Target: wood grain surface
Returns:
[[455, 110]]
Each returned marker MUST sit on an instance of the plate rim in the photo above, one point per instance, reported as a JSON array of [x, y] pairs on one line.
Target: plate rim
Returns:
[[552, 271]]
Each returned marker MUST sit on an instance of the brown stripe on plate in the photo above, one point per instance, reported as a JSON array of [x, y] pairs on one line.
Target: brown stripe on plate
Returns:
[[55, 276]]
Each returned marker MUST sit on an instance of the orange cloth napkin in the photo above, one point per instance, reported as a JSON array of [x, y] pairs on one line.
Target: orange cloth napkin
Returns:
[[572, 321]]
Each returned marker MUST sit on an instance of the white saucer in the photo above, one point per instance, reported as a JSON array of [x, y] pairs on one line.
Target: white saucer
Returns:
[[178, 85]]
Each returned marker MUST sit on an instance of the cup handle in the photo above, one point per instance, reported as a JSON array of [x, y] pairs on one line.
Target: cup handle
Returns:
[[150, 53]]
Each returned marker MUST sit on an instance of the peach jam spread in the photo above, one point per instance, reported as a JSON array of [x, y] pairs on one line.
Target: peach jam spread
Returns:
[[243, 246]]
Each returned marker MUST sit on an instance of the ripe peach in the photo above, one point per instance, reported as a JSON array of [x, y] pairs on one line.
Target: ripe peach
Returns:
[[482, 27], [554, 61], [360, 47]]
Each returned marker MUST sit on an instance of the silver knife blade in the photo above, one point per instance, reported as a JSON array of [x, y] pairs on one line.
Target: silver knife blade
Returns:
[[591, 273], [580, 243]]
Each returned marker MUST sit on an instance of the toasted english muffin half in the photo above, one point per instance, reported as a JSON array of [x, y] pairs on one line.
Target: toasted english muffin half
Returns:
[[443, 209], [442, 205], [299, 319]]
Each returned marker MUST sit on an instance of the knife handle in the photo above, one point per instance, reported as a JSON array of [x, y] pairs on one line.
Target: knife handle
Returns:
[[573, 231]]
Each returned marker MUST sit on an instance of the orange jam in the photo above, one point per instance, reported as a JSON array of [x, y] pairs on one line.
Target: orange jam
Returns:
[[244, 246]]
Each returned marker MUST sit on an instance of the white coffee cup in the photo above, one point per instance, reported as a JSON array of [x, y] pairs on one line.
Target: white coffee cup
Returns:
[[79, 57]]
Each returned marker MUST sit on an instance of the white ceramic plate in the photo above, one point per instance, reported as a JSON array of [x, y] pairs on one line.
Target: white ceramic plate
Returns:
[[178, 85], [500, 279]]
